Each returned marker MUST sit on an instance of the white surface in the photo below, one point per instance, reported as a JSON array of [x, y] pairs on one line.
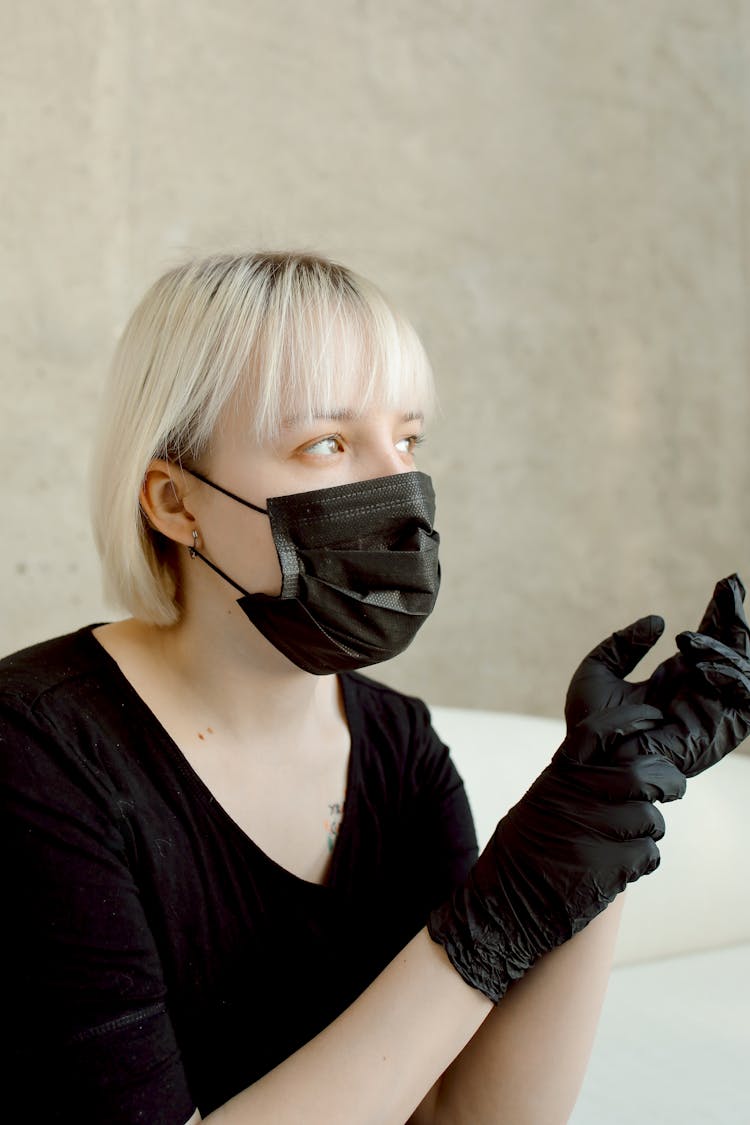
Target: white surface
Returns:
[[673, 1046]]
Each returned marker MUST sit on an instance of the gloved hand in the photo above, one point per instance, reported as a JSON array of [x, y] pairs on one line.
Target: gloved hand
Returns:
[[703, 690], [585, 828]]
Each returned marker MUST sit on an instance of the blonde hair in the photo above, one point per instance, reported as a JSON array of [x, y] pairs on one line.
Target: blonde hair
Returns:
[[284, 333]]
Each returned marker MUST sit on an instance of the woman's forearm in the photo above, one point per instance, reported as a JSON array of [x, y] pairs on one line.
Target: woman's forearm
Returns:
[[526, 1063], [377, 1061], [521, 1061]]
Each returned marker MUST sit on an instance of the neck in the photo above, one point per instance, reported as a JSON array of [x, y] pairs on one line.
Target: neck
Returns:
[[228, 674], [235, 670]]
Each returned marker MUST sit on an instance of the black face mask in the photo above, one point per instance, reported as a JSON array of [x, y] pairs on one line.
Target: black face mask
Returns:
[[360, 571]]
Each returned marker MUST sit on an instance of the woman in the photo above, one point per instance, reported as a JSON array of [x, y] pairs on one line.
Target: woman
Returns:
[[244, 882]]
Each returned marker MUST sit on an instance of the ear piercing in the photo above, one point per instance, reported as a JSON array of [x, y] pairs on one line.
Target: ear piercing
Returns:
[[194, 549]]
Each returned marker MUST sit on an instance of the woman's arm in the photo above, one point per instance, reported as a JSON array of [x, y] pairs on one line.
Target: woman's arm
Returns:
[[526, 1063], [374, 1063]]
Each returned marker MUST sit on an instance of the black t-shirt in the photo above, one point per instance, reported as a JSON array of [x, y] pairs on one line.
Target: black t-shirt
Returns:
[[155, 958]]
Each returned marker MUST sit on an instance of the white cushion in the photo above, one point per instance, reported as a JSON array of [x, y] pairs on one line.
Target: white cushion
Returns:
[[673, 1044]]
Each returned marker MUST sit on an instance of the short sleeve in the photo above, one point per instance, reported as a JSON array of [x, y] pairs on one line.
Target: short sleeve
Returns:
[[92, 1037], [442, 815]]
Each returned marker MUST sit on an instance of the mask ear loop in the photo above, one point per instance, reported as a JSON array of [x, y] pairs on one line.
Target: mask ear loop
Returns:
[[195, 554], [226, 492]]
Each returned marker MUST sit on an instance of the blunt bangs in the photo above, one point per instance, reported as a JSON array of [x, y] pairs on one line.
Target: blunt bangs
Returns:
[[287, 334], [333, 346]]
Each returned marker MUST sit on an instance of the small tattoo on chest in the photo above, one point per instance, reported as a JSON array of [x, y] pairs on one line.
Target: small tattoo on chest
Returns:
[[333, 823]]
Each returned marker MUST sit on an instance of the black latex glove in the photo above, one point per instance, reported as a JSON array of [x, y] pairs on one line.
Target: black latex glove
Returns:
[[585, 828], [703, 690]]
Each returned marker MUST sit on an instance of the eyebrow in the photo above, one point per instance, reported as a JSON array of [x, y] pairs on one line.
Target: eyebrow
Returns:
[[341, 416]]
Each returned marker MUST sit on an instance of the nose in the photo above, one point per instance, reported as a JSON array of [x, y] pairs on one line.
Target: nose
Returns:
[[387, 461], [394, 464]]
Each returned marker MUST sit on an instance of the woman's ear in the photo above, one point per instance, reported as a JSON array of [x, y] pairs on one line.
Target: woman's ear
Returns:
[[164, 500]]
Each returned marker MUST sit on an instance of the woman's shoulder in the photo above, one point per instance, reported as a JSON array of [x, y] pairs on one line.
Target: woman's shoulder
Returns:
[[39, 671], [67, 723], [373, 694], [388, 723], [50, 723]]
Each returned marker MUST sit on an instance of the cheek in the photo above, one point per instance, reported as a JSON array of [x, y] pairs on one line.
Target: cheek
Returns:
[[246, 552]]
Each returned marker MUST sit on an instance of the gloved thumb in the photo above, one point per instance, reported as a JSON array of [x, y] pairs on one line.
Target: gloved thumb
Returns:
[[625, 648], [598, 682]]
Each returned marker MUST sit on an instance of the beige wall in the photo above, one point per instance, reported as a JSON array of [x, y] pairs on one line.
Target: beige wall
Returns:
[[556, 193]]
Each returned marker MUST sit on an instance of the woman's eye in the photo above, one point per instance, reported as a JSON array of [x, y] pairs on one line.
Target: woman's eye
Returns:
[[409, 444], [324, 446]]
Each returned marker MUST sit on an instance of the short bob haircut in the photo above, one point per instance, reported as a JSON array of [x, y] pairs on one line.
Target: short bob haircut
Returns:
[[280, 333]]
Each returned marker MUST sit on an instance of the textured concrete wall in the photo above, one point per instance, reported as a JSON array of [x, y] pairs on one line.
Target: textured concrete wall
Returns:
[[556, 193]]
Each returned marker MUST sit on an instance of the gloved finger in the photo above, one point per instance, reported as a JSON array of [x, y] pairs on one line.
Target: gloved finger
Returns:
[[725, 616], [708, 647], [700, 648], [598, 681], [727, 679], [597, 734], [643, 858], [632, 774], [660, 779], [626, 848], [688, 747], [636, 819], [627, 820]]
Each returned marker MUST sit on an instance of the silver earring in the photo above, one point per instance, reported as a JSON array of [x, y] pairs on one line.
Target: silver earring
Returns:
[[194, 549]]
